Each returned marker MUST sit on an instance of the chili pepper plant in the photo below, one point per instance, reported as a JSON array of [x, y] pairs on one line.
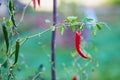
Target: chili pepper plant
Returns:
[[10, 48]]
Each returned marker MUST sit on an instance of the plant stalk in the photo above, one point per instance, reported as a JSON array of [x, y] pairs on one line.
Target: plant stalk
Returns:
[[53, 43]]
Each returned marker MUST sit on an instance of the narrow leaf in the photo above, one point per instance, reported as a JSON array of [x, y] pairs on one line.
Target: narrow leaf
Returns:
[[81, 27], [98, 26], [17, 46], [88, 19], [71, 19]]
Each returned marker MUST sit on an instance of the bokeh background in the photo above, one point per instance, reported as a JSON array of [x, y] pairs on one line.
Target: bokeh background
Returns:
[[104, 48]]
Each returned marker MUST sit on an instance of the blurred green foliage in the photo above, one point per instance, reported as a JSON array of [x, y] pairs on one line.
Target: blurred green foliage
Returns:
[[114, 2]]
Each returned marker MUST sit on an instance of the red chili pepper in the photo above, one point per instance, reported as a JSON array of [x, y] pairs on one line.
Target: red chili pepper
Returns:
[[74, 78], [39, 2], [77, 44], [34, 4]]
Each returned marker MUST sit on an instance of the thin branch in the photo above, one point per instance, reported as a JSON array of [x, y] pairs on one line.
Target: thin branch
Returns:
[[38, 34], [23, 13]]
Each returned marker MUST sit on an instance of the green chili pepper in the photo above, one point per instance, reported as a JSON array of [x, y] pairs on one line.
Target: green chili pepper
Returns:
[[17, 46], [5, 33], [13, 20], [11, 9], [11, 6]]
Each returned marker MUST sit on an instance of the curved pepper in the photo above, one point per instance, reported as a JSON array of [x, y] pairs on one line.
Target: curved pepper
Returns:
[[17, 47], [77, 44], [5, 33]]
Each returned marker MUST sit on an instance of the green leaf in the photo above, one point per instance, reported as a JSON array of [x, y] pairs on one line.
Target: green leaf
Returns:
[[17, 46], [98, 26], [62, 30], [63, 25], [52, 28], [71, 19], [88, 19], [73, 27], [81, 27], [76, 23]]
